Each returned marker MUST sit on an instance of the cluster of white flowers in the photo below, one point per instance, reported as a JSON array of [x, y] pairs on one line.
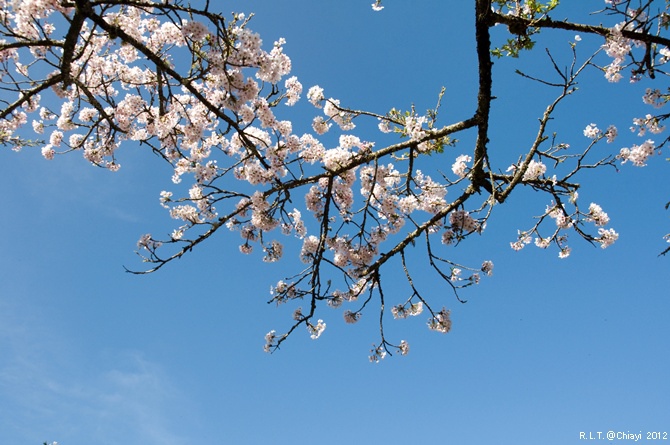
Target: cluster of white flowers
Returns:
[[617, 47], [293, 90], [637, 154], [461, 221], [332, 110], [534, 171], [564, 221], [607, 237], [148, 243], [597, 215], [591, 131], [648, 123], [378, 353], [273, 252], [415, 131], [654, 98], [351, 317], [377, 5], [611, 133], [565, 252], [558, 214], [542, 243], [309, 248], [404, 311], [441, 321], [523, 239], [270, 339], [460, 166], [316, 330]]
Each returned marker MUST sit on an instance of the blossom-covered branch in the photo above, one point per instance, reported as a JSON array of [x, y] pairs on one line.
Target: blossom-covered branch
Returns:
[[209, 96]]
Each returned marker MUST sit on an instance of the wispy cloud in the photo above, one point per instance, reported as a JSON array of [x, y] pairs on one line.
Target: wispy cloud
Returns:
[[50, 391]]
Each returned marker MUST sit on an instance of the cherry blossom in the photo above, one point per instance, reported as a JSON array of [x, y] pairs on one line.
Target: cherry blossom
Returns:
[[460, 165]]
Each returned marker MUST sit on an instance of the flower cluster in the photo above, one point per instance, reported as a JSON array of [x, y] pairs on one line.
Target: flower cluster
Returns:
[[654, 98], [617, 47], [648, 123], [487, 268], [441, 321], [378, 354], [317, 329], [534, 171], [351, 317], [565, 221], [460, 166], [607, 237], [404, 310], [270, 340], [597, 216], [637, 154], [591, 131]]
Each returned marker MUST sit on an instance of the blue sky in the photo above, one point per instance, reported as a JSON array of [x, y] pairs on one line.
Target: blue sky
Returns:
[[544, 349]]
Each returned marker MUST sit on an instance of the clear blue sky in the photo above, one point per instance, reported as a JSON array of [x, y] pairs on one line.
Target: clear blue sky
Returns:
[[544, 349]]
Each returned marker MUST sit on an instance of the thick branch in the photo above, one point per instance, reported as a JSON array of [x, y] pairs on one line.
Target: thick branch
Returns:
[[483, 11], [71, 41], [589, 29]]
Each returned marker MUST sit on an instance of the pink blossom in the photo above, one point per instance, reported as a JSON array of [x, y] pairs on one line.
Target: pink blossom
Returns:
[[564, 253], [534, 171], [607, 237], [558, 214], [351, 317], [591, 131], [542, 243], [315, 96], [611, 133], [320, 125], [316, 330], [441, 321], [597, 215], [637, 154], [293, 90], [460, 167], [462, 221], [48, 152], [384, 126]]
